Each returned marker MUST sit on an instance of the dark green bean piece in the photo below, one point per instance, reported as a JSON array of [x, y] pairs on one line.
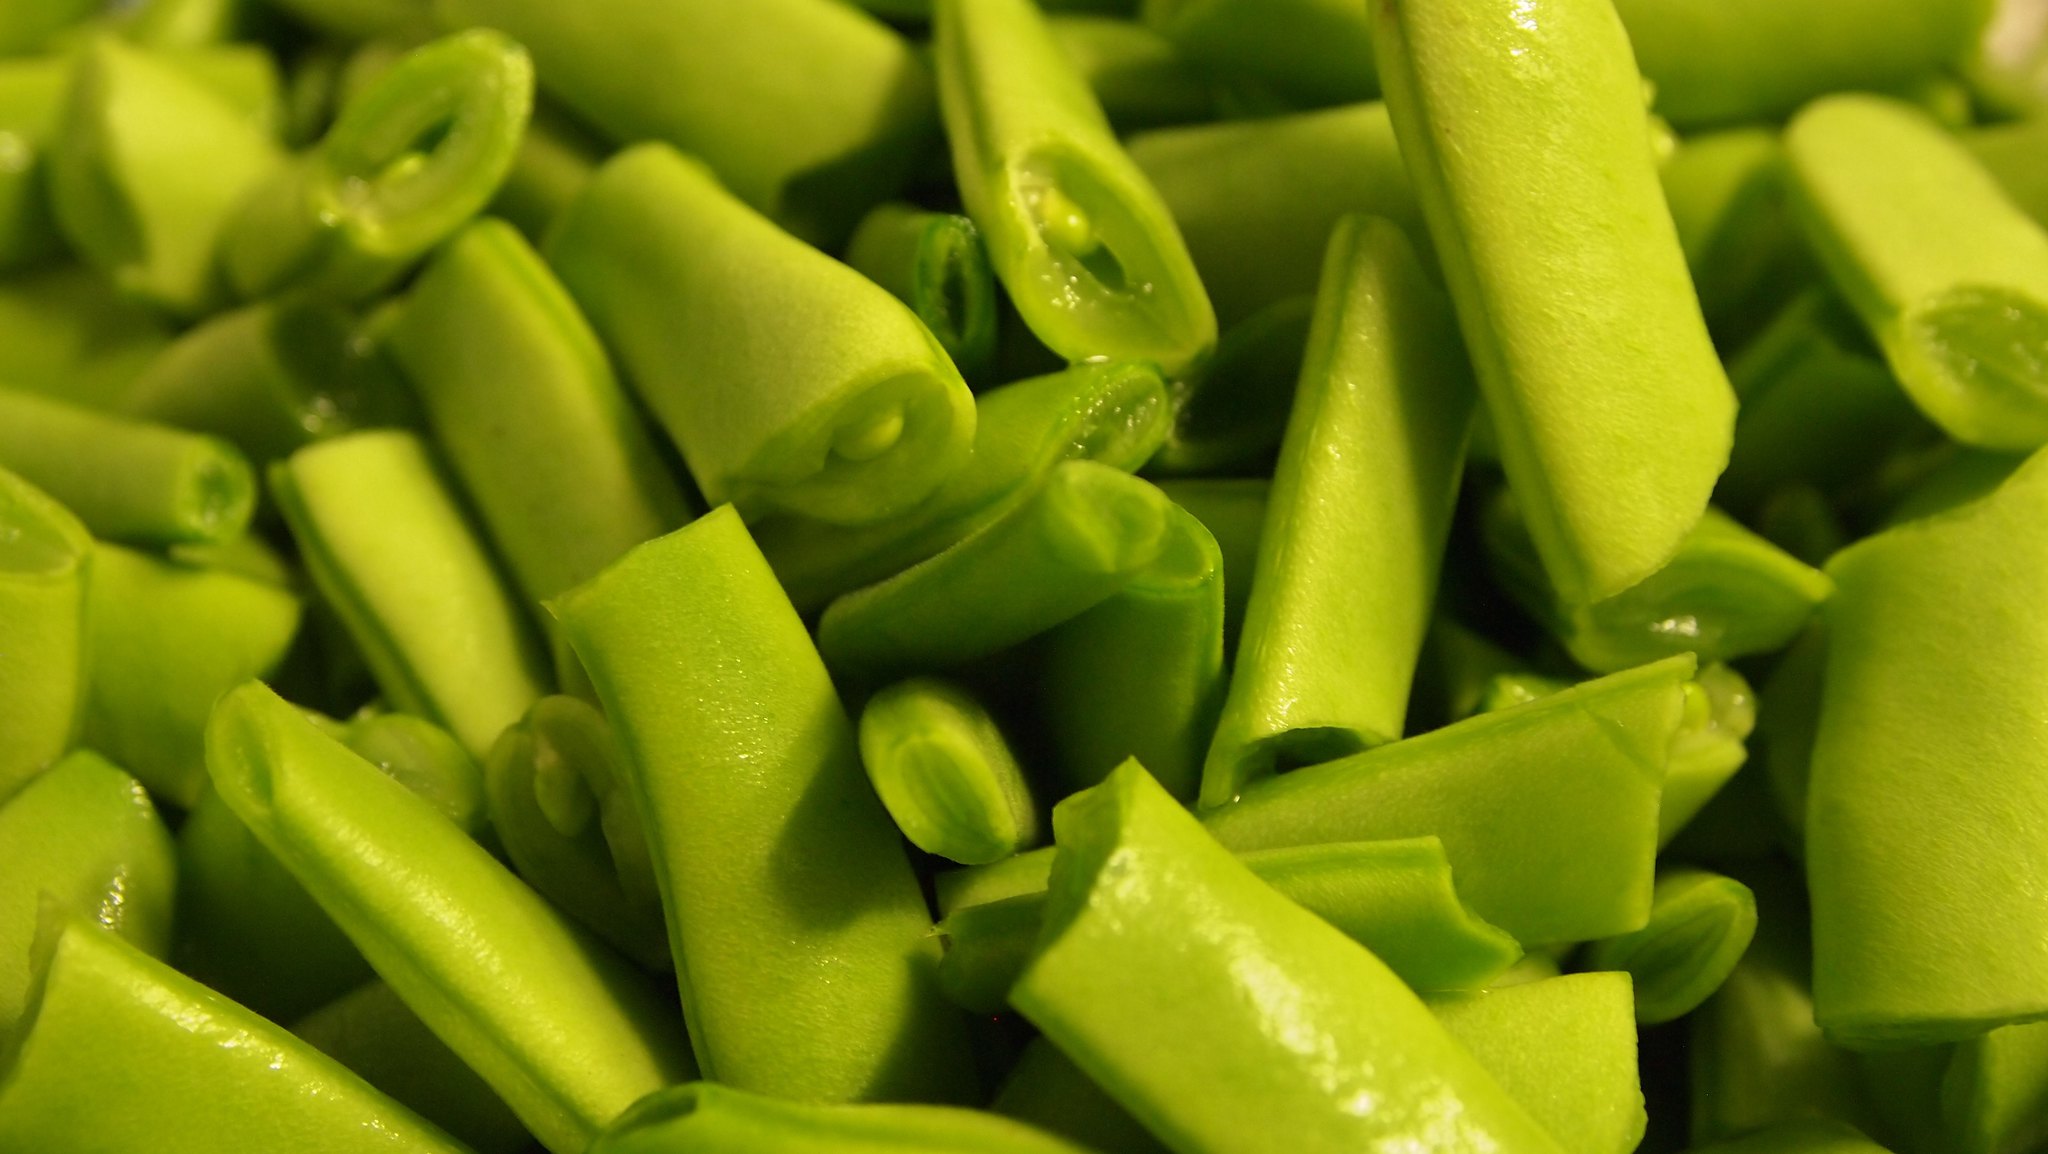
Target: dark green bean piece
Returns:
[[27, 28], [1231, 416], [707, 1116], [194, 23], [556, 159], [1234, 512], [1961, 477], [362, 19], [1727, 196], [1994, 1097], [1305, 53], [1814, 1137], [945, 773], [45, 557], [1136, 74], [2011, 153], [1700, 926], [66, 332], [935, 263], [1047, 1090], [31, 103]]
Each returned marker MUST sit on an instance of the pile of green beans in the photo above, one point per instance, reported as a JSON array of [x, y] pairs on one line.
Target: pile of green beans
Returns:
[[1023, 576]]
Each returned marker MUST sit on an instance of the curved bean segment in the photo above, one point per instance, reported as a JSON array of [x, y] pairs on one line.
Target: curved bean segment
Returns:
[[1700, 925], [944, 772], [708, 1116], [45, 557], [935, 263]]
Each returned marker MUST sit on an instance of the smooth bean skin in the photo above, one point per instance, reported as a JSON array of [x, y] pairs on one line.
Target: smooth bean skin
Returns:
[[708, 1116], [45, 558]]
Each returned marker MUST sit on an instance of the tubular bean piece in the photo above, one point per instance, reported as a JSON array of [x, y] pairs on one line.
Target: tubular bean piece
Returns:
[[45, 558]]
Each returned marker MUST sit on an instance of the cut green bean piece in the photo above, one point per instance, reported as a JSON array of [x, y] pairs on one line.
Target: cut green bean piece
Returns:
[[375, 1035], [1994, 1097], [773, 856], [1087, 532], [1231, 417], [192, 23], [1116, 413], [1814, 1137], [127, 480], [1524, 135], [1300, 52], [945, 773], [935, 263], [1565, 1048], [1257, 199], [1141, 675], [1234, 512], [126, 190], [560, 805], [1025, 873], [809, 110], [1395, 898], [362, 19], [1949, 277], [1700, 925], [708, 1116], [1306, 1041], [121, 1052], [27, 28], [1137, 76], [388, 548], [1548, 811], [408, 162], [2011, 153], [1924, 793], [1727, 196], [565, 1031], [45, 557], [1356, 524], [1082, 241], [1965, 476], [556, 159], [66, 332], [1726, 593], [1711, 745], [1047, 1090], [85, 836], [716, 317]]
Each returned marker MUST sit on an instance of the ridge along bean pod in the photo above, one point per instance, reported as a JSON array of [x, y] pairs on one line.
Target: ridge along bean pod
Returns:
[[386, 545], [555, 160], [1924, 804], [1523, 132], [1725, 593], [1234, 512], [1944, 271], [373, 1033], [1308, 1042], [559, 804], [1701, 923], [83, 835], [1257, 199], [1729, 61], [271, 378], [773, 857], [45, 559], [565, 1031], [1303, 53], [1395, 898], [809, 110], [1727, 192], [1231, 417], [1548, 811], [944, 772], [1354, 536], [1563, 1047], [1046, 1089], [1141, 675], [123, 183], [127, 480], [1077, 234], [407, 163], [1137, 76], [121, 1052], [65, 332], [1994, 1096], [1086, 532], [935, 263], [1805, 1137], [708, 1116], [1116, 413], [788, 381]]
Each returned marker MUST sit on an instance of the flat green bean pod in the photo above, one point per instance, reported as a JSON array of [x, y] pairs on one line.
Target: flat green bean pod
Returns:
[[45, 556], [1047, 1090], [1800, 1138], [1086, 248], [1354, 536], [1232, 415], [67, 332], [1946, 273], [708, 1116], [1300, 52], [789, 381], [773, 856], [1522, 125], [945, 773], [1137, 75], [935, 263], [1307, 1042], [1701, 923]]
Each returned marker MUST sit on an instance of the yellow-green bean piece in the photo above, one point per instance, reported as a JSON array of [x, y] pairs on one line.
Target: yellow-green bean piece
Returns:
[[45, 558], [935, 263], [945, 773], [706, 1116], [1136, 74], [67, 332], [1700, 925]]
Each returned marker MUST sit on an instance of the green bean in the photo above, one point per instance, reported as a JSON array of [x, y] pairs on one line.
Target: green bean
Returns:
[[1395, 898], [1085, 533], [560, 805], [1460, 672], [374, 1034], [65, 332], [1354, 537], [1904, 1088], [1047, 1090], [810, 111], [192, 23], [408, 162], [1994, 1096], [388, 548], [716, 314], [1921, 787], [556, 159], [362, 19], [769, 873], [1700, 925], [1234, 512], [1015, 876], [1141, 675], [1943, 270], [1302, 52], [1727, 196], [1814, 1137], [45, 557], [564, 1030], [708, 1116], [1257, 199], [1232, 416], [1137, 76], [1082, 241], [127, 480], [944, 772], [2011, 154], [1720, 714], [1959, 478], [1306, 1039], [28, 28], [85, 836], [1116, 413], [934, 262], [1525, 139], [1563, 1047], [126, 192], [121, 1052], [1548, 810]]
